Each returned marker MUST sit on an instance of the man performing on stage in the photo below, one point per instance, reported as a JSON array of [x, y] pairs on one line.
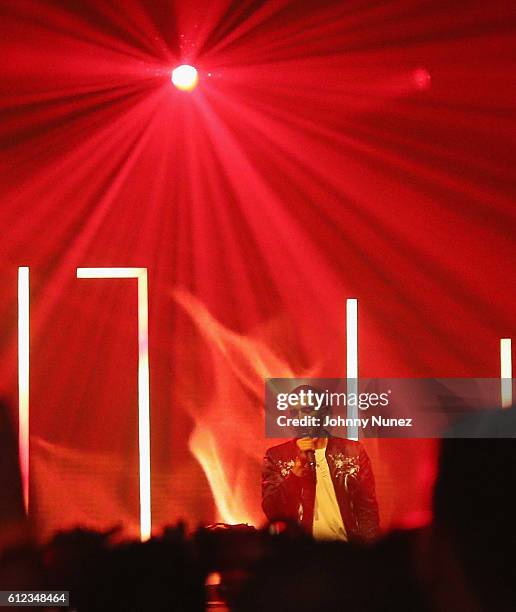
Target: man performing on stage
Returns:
[[325, 484]]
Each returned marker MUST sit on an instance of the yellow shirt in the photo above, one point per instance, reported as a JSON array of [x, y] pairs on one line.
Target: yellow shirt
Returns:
[[328, 524]]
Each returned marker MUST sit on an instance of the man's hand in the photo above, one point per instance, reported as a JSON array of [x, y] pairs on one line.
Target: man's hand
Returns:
[[303, 445]]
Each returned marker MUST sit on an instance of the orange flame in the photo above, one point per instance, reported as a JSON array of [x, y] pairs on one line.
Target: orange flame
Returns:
[[228, 440]]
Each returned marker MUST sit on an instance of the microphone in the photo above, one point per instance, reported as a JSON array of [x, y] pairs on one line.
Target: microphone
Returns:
[[310, 459], [309, 454]]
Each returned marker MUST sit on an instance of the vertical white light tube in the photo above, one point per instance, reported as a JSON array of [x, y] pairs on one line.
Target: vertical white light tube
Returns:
[[143, 385], [144, 406], [352, 360], [23, 379], [506, 372]]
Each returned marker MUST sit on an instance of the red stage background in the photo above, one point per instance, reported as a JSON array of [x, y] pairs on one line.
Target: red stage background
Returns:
[[331, 150]]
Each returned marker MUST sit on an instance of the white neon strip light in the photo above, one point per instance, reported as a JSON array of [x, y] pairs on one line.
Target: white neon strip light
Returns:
[[143, 384], [352, 360], [144, 407], [506, 372], [23, 380]]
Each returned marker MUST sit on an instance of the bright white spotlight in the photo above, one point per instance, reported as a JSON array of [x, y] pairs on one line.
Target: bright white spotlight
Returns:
[[185, 77]]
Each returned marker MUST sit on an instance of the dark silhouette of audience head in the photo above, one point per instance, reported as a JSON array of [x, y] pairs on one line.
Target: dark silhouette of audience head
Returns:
[[474, 508]]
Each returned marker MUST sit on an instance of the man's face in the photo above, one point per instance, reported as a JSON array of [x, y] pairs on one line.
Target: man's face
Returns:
[[308, 404]]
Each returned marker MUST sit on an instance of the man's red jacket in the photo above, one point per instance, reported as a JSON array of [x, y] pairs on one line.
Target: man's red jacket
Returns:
[[287, 496]]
